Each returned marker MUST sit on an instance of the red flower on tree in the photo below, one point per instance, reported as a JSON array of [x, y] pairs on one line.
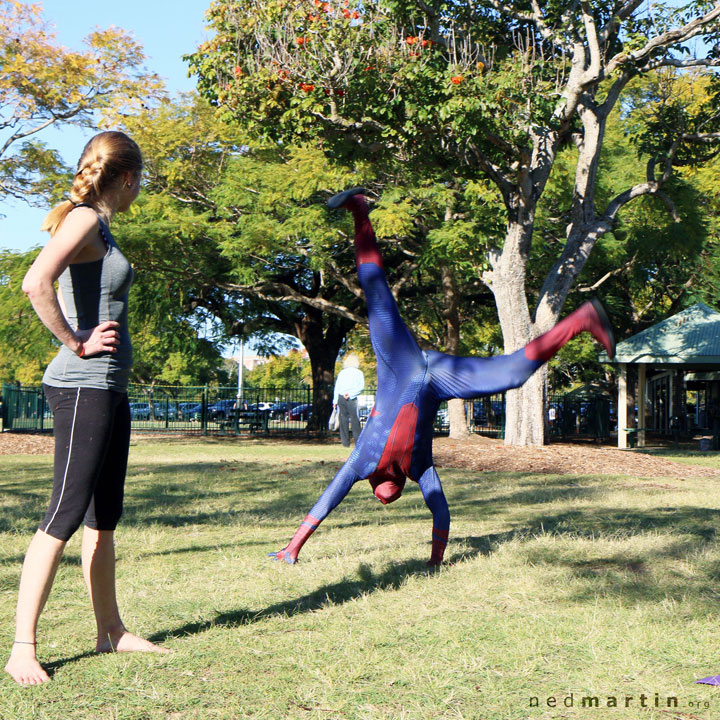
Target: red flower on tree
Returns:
[[238, 71], [307, 87], [411, 40], [456, 79], [302, 40]]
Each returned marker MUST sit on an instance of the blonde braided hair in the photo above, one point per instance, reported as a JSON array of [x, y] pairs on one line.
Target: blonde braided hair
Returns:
[[105, 158]]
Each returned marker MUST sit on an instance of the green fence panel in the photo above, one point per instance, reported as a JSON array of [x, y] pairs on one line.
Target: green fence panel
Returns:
[[207, 410], [25, 408]]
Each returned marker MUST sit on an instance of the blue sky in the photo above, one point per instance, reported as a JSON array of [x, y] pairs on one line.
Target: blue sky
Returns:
[[166, 29]]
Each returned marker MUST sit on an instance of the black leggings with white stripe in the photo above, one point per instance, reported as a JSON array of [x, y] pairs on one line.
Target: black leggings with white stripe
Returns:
[[92, 437]]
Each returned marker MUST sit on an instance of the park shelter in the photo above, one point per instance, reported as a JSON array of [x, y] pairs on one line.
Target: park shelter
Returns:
[[679, 354]]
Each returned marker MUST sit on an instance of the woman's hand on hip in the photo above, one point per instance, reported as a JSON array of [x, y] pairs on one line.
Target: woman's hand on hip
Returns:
[[102, 338]]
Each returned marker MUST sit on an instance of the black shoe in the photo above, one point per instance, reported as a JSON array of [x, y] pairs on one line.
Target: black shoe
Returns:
[[605, 322], [341, 198]]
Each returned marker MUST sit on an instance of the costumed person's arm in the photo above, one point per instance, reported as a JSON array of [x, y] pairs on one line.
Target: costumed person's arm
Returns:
[[435, 500], [333, 495]]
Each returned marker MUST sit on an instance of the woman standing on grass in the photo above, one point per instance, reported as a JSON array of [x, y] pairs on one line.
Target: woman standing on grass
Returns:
[[86, 389]]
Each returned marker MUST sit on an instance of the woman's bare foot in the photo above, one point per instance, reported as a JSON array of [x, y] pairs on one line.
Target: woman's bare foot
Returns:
[[24, 667], [124, 641]]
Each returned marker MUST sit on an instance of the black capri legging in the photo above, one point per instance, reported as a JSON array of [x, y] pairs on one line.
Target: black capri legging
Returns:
[[92, 438]]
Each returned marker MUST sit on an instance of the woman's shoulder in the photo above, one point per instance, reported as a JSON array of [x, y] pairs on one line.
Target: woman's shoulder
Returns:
[[83, 218]]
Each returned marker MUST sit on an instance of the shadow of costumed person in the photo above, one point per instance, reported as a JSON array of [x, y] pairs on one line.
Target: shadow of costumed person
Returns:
[[396, 442], [86, 387]]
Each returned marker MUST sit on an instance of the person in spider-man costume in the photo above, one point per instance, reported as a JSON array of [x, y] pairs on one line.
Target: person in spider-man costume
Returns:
[[396, 442]]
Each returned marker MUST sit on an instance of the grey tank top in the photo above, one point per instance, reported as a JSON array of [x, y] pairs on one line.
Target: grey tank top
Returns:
[[94, 292]]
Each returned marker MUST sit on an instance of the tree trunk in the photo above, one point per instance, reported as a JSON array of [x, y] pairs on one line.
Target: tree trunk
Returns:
[[322, 335], [524, 411], [456, 407]]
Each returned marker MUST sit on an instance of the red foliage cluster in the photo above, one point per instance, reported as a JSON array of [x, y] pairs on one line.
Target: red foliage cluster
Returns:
[[422, 42]]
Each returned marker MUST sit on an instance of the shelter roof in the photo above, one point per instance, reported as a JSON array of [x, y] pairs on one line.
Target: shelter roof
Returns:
[[692, 337]]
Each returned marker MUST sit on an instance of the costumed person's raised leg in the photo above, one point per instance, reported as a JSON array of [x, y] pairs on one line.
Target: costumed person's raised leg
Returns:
[[469, 377], [395, 348]]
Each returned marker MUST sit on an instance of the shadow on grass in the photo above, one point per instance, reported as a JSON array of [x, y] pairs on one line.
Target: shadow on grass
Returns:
[[334, 594], [635, 574], [52, 667]]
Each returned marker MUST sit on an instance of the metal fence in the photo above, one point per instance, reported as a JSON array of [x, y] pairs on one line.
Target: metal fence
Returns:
[[207, 410], [24, 408], [581, 415], [486, 415], [218, 411]]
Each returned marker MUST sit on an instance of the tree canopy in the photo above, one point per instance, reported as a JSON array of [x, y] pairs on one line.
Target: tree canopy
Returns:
[[43, 83], [484, 91]]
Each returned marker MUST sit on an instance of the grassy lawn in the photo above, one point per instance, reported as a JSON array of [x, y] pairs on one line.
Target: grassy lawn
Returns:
[[557, 587], [690, 457]]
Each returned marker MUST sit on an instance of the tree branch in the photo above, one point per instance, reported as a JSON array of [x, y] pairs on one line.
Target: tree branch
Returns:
[[672, 62], [608, 275], [592, 73], [671, 37], [612, 25], [281, 292]]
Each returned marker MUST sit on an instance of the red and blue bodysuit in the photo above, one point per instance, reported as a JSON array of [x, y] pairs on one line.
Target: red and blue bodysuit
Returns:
[[396, 442]]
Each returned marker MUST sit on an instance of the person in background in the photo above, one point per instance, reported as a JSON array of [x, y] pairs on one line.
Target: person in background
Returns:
[[349, 384], [86, 387]]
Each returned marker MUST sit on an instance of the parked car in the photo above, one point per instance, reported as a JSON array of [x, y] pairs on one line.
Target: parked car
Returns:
[[487, 413], [161, 409], [280, 409], [261, 406], [140, 411], [221, 409], [301, 412], [189, 411]]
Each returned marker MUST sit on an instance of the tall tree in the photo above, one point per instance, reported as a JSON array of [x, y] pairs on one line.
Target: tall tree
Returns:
[[484, 89], [26, 346], [241, 234], [282, 371], [43, 83]]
